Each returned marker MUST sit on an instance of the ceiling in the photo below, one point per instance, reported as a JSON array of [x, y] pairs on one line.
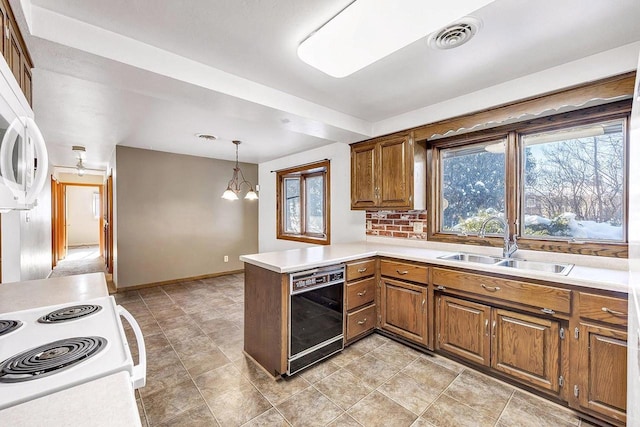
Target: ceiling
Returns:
[[133, 73]]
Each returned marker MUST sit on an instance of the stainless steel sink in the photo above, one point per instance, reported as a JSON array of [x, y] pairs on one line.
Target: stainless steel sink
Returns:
[[520, 264], [548, 267], [461, 256]]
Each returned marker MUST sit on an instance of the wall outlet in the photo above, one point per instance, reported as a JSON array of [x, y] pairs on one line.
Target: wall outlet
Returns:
[[418, 227], [369, 226], [226, 258]]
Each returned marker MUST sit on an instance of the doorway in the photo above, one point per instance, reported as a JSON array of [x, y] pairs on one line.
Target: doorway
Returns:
[[77, 223]]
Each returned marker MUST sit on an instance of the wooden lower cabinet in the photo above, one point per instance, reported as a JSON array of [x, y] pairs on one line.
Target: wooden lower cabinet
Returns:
[[524, 347], [601, 384], [404, 309], [464, 329]]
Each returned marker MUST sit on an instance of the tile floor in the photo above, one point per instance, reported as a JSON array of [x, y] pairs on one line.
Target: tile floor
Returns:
[[197, 375]]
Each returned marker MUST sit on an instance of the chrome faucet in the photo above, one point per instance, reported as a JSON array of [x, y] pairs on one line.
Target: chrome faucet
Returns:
[[509, 246]]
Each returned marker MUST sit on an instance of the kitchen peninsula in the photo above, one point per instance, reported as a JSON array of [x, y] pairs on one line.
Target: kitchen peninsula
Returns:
[[560, 333]]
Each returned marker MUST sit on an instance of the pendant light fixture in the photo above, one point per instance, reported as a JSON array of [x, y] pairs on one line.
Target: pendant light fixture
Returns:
[[80, 151], [233, 188]]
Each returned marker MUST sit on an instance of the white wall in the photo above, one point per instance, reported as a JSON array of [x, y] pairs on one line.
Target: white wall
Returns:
[[346, 225], [83, 227], [26, 241], [633, 365]]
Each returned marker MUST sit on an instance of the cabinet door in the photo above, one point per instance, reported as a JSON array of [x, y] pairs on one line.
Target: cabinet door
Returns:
[[25, 82], [404, 309], [4, 21], [527, 348], [602, 371], [363, 176], [14, 58], [464, 329], [396, 171]]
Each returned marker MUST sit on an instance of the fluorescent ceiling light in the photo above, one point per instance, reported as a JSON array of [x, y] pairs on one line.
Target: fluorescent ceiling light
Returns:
[[368, 30]]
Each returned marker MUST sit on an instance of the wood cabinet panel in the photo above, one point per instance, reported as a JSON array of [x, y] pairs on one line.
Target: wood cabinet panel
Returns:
[[602, 371], [404, 309], [395, 183], [364, 190], [603, 309], [14, 58], [464, 329], [400, 270], [358, 270], [26, 80], [527, 348], [539, 296], [361, 321], [361, 293]]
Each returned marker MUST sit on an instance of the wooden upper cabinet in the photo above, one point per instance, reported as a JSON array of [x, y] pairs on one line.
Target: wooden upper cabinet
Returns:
[[14, 50], [382, 174]]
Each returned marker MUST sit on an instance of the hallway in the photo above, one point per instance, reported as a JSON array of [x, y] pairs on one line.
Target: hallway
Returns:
[[80, 260]]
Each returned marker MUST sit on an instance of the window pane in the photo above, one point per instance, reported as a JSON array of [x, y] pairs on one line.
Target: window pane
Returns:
[[292, 205], [574, 182], [315, 204], [473, 180]]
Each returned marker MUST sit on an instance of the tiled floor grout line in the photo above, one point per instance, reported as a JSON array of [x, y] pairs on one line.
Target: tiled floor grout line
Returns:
[[181, 362], [513, 393]]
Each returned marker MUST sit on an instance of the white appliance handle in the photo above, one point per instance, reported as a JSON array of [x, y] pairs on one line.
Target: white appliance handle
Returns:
[[43, 161], [140, 370]]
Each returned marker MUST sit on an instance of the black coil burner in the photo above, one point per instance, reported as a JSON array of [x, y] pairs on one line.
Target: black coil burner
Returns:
[[69, 313], [49, 359], [7, 326]]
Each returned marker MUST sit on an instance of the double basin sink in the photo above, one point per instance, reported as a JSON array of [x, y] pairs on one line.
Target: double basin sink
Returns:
[[520, 264]]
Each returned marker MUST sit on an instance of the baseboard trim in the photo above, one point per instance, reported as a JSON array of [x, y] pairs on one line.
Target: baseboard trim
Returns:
[[174, 281]]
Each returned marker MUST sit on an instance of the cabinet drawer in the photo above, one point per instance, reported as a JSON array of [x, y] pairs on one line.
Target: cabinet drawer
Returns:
[[361, 293], [358, 270], [361, 321], [543, 297], [402, 271], [603, 309]]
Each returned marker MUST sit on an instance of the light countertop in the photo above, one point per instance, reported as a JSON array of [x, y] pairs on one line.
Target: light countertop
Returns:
[[111, 403], [289, 261], [59, 290]]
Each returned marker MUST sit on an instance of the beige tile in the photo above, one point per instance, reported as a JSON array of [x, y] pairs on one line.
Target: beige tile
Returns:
[[409, 393], [347, 356], [527, 411], [271, 418], [277, 391], [195, 345], [319, 371], [233, 349], [213, 384], [435, 377], [370, 342], [182, 333], [395, 354], [236, 407], [487, 396], [197, 417], [143, 417], [200, 363], [448, 412], [456, 367], [222, 336], [421, 422], [170, 402], [376, 410], [250, 369], [214, 325], [344, 420], [169, 315], [163, 370], [371, 371], [157, 343], [309, 408], [343, 388]]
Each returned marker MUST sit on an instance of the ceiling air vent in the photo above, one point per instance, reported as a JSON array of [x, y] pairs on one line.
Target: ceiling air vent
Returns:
[[456, 34]]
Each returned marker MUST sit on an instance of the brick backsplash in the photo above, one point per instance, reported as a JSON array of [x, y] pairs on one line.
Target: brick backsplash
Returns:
[[398, 224]]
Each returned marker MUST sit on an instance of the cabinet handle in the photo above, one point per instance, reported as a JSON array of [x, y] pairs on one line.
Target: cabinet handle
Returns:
[[493, 328], [362, 270], [423, 301], [490, 288], [361, 294], [486, 327], [362, 322], [403, 272], [613, 312]]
